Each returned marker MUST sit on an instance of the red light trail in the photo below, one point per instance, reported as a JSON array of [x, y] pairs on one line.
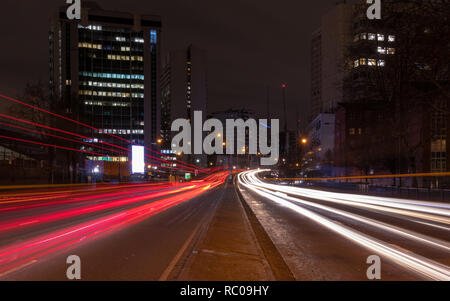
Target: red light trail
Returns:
[[93, 128], [16, 256], [85, 137], [60, 137], [50, 145]]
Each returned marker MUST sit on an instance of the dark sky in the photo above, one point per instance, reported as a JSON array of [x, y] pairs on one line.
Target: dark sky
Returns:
[[250, 44]]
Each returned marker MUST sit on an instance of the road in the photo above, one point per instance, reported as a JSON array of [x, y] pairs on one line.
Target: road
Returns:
[[329, 236], [121, 232], [146, 231]]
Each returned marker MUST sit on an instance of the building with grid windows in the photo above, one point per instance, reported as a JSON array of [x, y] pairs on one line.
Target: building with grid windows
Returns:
[[104, 71]]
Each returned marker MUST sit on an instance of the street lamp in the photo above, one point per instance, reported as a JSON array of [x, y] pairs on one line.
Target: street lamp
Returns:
[[304, 141]]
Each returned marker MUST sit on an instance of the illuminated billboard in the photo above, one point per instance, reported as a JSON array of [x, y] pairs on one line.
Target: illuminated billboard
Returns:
[[137, 157]]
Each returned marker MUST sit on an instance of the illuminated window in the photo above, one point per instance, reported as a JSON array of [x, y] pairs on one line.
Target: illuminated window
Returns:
[[364, 36], [362, 62], [391, 51], [381, 50], [372, 36], [356, 64], [91, 27], [352, 131], [371, 62], [391, 38], [112, 75], [89, 45], [153, 36], [380, 37], [381, 63]]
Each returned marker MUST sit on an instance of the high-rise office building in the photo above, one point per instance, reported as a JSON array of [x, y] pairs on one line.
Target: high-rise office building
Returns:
[[329, 44], [105, 71], [184, 91], [316, 74]]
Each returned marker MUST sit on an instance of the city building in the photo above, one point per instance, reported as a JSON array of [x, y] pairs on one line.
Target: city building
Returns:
[[184, 90], [105, 71], [329, 46], [321, 133], [316, 74], [381, 128], [238, 161]]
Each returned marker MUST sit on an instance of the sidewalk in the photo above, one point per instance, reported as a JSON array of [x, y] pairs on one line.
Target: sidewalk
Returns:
[[229, 249]]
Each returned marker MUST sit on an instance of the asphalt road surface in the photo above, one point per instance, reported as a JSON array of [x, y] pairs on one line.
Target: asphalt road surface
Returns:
[[143, 231], [121, 232], [329, 236]]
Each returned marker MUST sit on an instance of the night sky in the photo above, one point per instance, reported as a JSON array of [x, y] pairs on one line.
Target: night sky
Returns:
[[250, 44]]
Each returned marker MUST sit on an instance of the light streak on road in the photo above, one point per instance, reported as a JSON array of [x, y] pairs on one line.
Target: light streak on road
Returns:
[[431, 211], [282, 195], [113, 213]]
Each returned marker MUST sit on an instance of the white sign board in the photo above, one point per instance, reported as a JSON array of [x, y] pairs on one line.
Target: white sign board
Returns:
[[137, 157]]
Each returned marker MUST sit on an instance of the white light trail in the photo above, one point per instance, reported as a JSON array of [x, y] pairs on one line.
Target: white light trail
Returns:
[[411, 261]]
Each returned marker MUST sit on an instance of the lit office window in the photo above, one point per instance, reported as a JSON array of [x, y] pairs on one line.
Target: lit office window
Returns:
[[153, 36], [391, 51], [381, 50]]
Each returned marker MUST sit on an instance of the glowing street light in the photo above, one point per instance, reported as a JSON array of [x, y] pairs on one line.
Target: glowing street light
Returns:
[[304, 141]]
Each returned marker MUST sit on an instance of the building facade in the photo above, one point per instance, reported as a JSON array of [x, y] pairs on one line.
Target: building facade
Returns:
[[184, 90], [105, 71]]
